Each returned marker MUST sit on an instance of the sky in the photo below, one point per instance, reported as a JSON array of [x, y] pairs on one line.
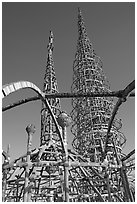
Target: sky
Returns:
[[25, 32]]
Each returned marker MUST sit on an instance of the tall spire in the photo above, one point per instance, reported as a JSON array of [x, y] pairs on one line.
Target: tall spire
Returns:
[[50, 81], [48, 129], [91, 115], [83, 41]]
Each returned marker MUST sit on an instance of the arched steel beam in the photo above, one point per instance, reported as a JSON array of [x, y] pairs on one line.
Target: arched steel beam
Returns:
[[15, 86], [20, 102], [62, 95], [129, 155], [66, 95], [125, 93]]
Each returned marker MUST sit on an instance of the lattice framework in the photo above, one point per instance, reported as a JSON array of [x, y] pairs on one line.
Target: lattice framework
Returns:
[[57, 174]]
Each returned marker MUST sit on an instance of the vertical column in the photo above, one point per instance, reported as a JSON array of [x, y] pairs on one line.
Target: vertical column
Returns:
[[128, 196], [64, 121], [30, 129], [51, 192], [66, 183], [4, 180], [8, 152], [17, 186], [108, 185]]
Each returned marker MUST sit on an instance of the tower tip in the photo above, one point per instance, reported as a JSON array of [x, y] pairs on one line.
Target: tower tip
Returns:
[[79, 11], [51, 38], [51, 33]]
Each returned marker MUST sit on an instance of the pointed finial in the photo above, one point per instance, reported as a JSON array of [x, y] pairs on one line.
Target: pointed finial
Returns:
[[79, 11], [81, 24], [8, 152], [50, 45], [80, 14], [8, 149]]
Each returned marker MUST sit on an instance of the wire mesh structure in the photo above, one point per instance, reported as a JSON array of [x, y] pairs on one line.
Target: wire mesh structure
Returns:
[[91, 115], [97, 170]]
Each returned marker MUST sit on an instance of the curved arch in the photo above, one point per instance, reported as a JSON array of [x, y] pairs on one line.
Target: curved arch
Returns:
[[15, 86], [20, 102]]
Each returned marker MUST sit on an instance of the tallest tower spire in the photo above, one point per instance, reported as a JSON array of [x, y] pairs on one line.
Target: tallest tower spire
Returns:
[[84, 45], [91, 115]]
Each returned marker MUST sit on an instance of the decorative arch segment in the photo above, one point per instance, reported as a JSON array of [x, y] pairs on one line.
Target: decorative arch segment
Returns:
[[15, 86]]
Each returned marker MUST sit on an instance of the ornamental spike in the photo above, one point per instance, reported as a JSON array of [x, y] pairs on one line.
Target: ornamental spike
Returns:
[[50, 45], [84, 45], [50, 81]]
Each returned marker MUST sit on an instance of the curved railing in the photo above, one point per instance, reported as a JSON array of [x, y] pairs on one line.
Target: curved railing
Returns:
[[15, 86]]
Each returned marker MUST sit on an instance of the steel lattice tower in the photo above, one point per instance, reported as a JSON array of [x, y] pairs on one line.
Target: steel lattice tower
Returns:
[[44, 180], [48, 129], [90, 121], [54, 173], [91, 115]]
